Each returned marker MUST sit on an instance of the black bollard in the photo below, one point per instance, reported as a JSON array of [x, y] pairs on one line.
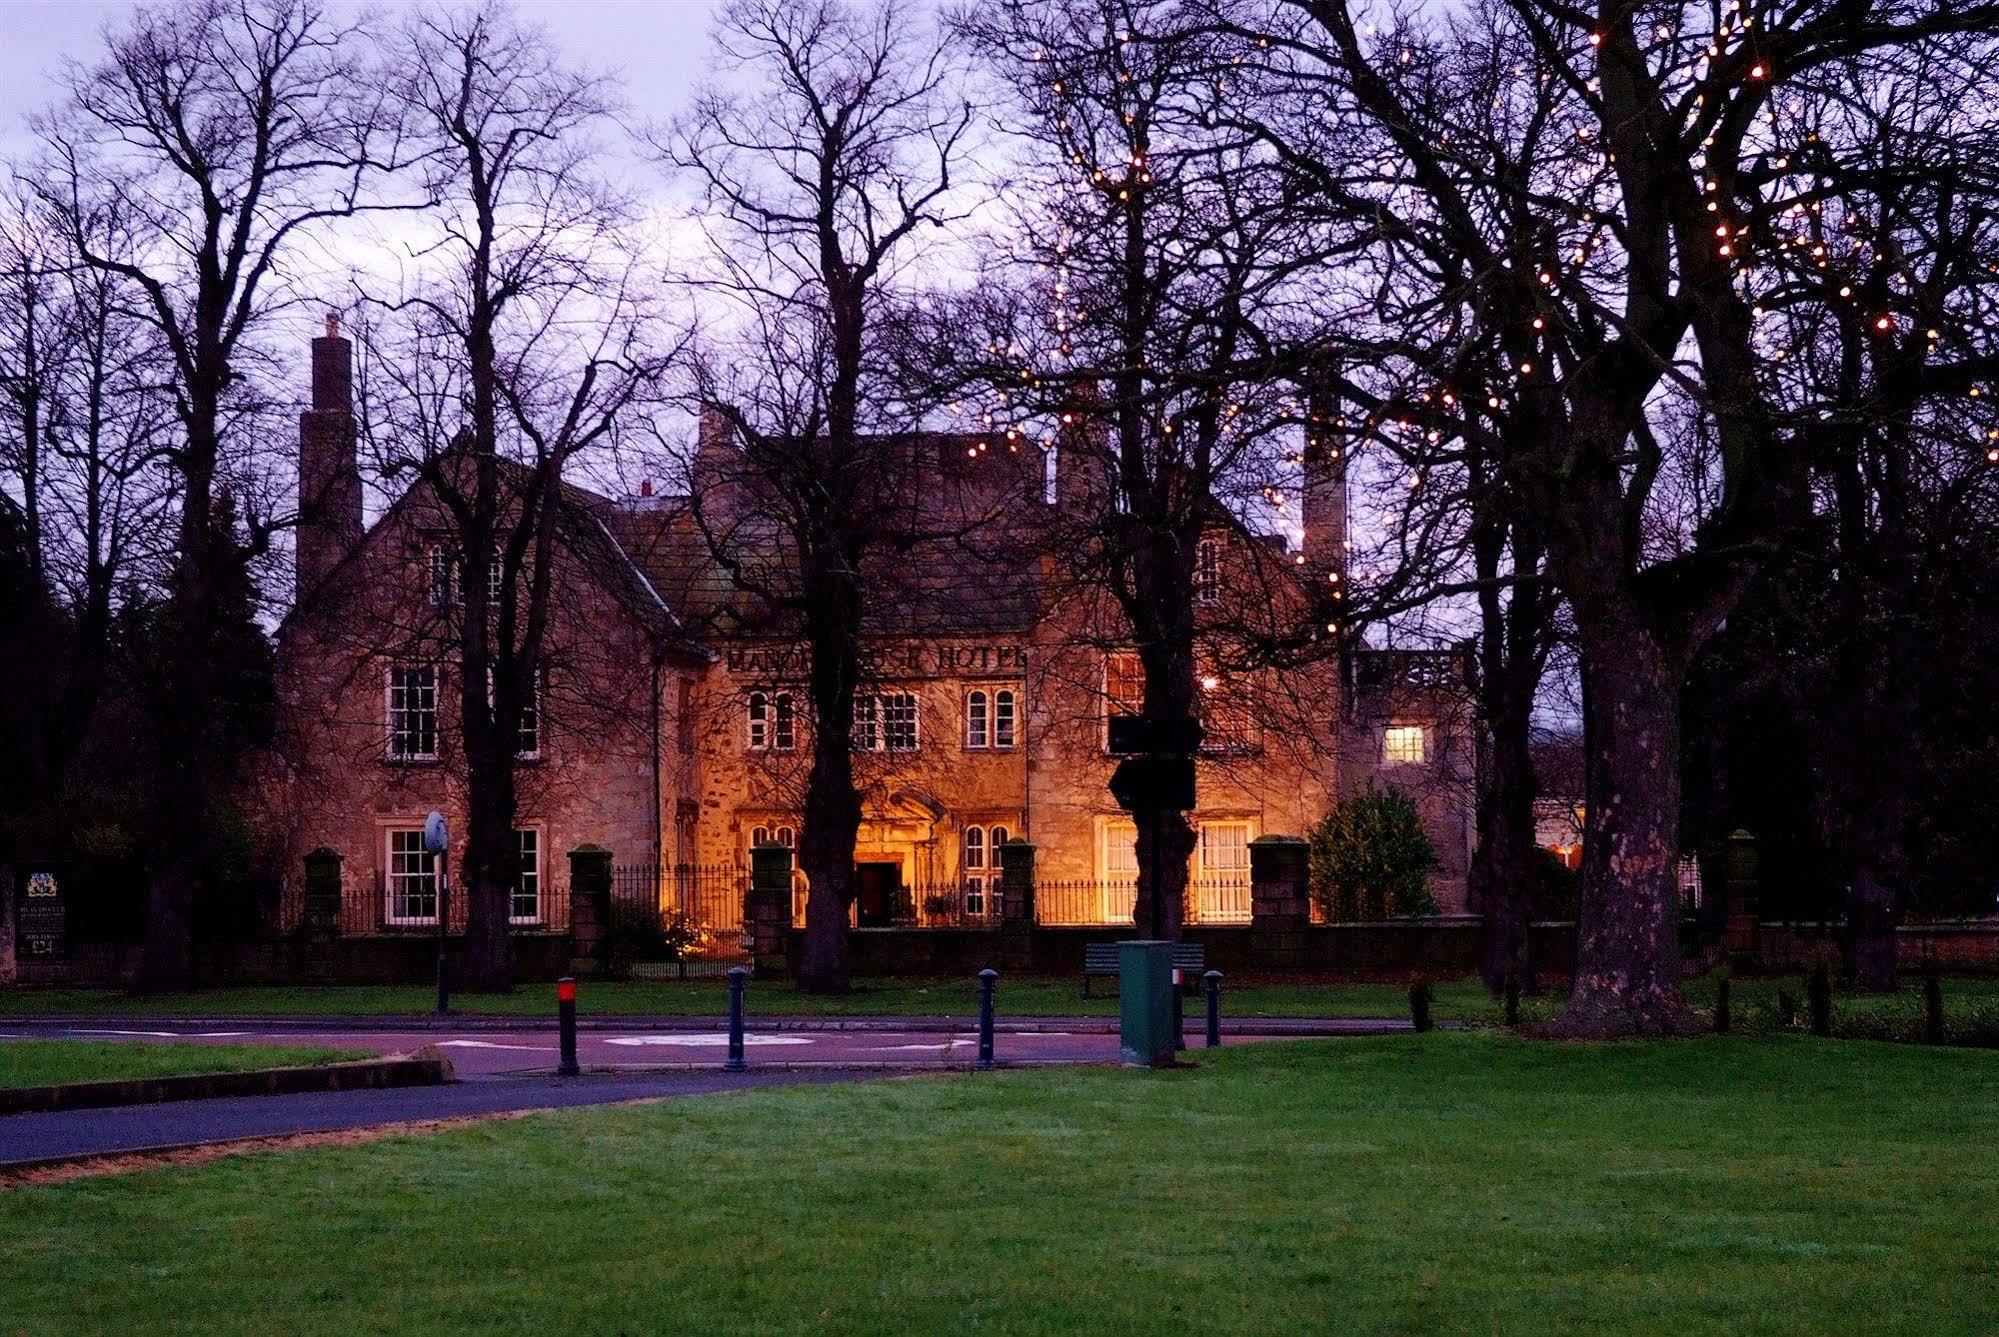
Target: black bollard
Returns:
[[987, 979], [1179, 1013], [565, 1025], [1213, 979], [738, 979]]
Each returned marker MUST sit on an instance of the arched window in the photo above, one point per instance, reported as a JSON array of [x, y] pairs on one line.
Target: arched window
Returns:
[[1003, 718], [975, 870], [759, 835], [759, 721], [784, 726], [978, 719]]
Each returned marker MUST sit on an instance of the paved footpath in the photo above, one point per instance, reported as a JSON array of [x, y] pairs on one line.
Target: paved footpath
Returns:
[[26, 1139]]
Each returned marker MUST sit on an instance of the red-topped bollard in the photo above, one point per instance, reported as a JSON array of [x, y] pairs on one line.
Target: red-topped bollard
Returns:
[[565, 1022]]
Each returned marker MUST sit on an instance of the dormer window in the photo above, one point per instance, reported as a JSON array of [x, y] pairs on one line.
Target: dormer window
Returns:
[[441, 574], [1403, 743], [1208, 571]]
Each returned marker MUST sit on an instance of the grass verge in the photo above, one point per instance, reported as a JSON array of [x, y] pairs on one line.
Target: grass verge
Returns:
[[50, 1062], [1439, 1182]]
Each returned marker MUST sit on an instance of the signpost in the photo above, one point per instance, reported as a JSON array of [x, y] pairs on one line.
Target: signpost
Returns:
[[437, 840]]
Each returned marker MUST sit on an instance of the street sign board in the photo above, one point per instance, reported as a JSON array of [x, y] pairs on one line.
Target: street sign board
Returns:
[[1131, 735], [1155, 783]]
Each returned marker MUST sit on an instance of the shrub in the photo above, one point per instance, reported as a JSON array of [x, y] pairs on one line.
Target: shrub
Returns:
[[1371, 858]]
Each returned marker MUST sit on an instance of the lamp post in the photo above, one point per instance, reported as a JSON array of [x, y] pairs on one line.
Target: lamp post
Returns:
[[437, 840]]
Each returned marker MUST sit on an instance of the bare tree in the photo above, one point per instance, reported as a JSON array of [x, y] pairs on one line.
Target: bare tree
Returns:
[[1618, 279], [821, 171], [1169, 273], [219, 133], [521, 341]]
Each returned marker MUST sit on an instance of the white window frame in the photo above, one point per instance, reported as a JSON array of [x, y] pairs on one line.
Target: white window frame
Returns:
[[757, 719], [1394, 745], [1208, 572], [1206, 847], [874, 725], [496, 579], [1006, 718], [523, 872], [441, 572], [978, 719], [418, 866], [528, 727], [1117, 845], [396, 708], [1112, 702]]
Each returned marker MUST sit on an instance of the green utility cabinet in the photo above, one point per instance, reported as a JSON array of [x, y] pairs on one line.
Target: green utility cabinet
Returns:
[[1145, 1003]]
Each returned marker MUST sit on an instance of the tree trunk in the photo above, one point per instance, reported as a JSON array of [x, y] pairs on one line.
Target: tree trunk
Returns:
[[826, 854], [1870, 927], [1160, 908], [832, 818], [1504, 869], [492, 866], [1627, 978]]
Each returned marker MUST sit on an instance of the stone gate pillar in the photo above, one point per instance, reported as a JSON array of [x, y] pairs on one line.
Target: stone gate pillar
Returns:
[[1016, 861], [589, 909], [767, 908], [9, 966], [1745, 917], [1280, 911]]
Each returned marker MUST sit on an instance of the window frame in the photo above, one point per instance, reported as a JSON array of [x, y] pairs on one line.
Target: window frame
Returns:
[[874, 727], [978, 719], [1205, 867], [1207, 581], [537, 874], [396, 732], [528, 726], [1389, 748], [395, 879], [1006, 719]]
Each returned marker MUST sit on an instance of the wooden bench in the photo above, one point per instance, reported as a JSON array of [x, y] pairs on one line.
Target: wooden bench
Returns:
[[1100, 958]]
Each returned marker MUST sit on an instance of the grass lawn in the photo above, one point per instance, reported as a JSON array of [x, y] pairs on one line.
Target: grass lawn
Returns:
[[1410, 1183], [47, 1062], [1754, 1002]]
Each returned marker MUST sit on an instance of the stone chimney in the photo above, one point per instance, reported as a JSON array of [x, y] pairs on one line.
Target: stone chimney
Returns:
[[1323, 515], [1083, 451], [714, 450], [329, 478]]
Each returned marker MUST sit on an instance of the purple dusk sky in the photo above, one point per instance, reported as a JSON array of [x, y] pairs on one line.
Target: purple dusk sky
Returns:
[[658, 46]]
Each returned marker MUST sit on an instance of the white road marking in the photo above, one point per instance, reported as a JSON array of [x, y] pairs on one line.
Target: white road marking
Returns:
[[488, 1044], [706, 1041], [165, 1035]]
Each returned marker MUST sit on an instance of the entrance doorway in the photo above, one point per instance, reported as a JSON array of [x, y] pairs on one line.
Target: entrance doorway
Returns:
[[877, 890]]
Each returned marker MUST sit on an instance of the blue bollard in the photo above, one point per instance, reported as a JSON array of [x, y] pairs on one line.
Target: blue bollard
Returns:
[[987, 978], [738, 979]]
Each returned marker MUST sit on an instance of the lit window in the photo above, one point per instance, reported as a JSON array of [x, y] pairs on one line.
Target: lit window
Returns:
[[975, 870], [1208, 571], [1228, 724], [413, 712], [1003, 718], [773, 835], [1402, 742], [1117, 851], [885, 722], [412, 883], [526, 907], [1224, 850], [773, 724], [978, 719], [1124, 686], [441, 573]]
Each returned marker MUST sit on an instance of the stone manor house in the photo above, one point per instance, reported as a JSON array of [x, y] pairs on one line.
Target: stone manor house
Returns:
[[671, 725]]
